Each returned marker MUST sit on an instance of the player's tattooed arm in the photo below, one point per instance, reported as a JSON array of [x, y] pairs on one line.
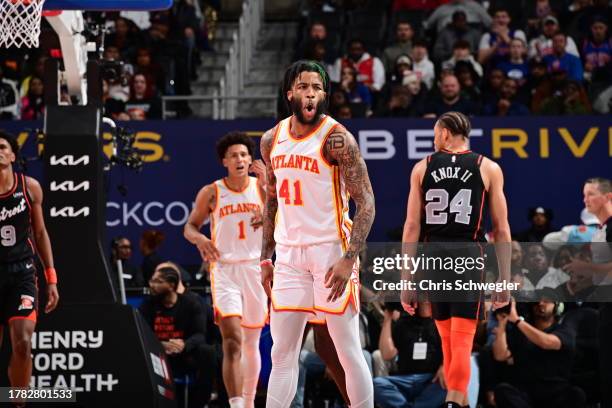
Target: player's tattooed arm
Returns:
[[341, 148], [271, 205], [205, 202]]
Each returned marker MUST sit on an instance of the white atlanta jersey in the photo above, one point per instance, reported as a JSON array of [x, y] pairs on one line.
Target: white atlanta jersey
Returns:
[[312, 201], [230, 222]]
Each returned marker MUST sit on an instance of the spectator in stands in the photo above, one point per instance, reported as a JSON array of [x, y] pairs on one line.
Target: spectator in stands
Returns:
[[141, 100], [402, 45], [121, 251], [317, 35], [344, 112], [419, 380], [579, 287], [506, 104], [476, 14], [517, 269], [572, 100], [150, 241], [178, 321], [542, 46], [449, 100], [492, 85], [597, 48], [560, 60], [515, 66], [469, 82], [462, 52], [540, 350], [536, 262], [114, 108], [337, 100], [555, 275], [402, 67], [421, 64], [33, 104], [540, 219], [150, 69], [603, 101], [371, 71], [8, 98], [417, 90], [125, 37], [399, 104], [39, 71], [456, 31], [495, 44], [355, 92]]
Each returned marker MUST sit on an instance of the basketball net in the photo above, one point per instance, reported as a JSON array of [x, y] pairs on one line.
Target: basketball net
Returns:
[[20, 23]]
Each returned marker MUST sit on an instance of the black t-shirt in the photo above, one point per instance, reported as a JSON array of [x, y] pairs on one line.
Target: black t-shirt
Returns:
[[438, 107], [540, 371], [185, 320], [412, 329]]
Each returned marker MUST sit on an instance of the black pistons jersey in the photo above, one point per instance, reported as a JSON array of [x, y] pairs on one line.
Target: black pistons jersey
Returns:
[[454, 198], [15, 223]]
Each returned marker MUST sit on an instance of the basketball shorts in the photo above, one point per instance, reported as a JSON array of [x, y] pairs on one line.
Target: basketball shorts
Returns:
[[18, 291], [237, 291], [446, 299], [299, 280]]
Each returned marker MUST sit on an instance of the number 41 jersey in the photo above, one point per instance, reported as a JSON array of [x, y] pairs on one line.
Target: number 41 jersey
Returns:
[[454, 197]]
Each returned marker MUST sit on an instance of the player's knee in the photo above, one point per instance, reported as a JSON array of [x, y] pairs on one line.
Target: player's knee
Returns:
[[232, 346], [283, 355], [22, 346]]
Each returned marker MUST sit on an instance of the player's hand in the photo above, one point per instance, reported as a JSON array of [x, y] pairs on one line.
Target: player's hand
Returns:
[[266, 279], [259, 169], [256, 219], [179, 344], [501, 298], [409, 301], [337, 277], [439, 378], [52, 298], [207, 249], [577, 266]]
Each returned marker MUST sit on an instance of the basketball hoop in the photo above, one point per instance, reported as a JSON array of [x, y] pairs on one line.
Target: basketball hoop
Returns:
[[20, 23]]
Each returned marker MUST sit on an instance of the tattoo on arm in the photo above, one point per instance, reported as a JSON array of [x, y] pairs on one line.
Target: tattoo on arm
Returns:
[[341, 147], [271, 205]]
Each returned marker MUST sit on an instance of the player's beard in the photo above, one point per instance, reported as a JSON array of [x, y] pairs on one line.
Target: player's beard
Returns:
[[296, 108]]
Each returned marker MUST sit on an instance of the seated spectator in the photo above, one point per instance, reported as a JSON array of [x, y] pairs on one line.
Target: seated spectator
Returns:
[[121, 251], [142, 100], [495, 44], [150, 241], [597, 48], [516, 267], [457, 30], [344, 112], [573, 233], [540, 219], [449, 100], [417, 91], [540, 350], [572, 100], [462, 52], [542, 45], [506, 104], [579, 287], [402, 45], [39, 71], [150, 69], [421, 65], [476, 14], [178, 321], [371, 71], [399, 104], [560, 60], [557, 276], [401, 67], [469, 81], [33, 104], [317, 34], [355, 92], [125, 37], [492, 85], [537, 264], [537, 11], [419, 379], [8, 98], [515, 66], [603, 102], [317, 51], [337, 100]]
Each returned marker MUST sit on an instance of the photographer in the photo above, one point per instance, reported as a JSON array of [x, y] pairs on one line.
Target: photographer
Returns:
[[414, 341], [540, 352]]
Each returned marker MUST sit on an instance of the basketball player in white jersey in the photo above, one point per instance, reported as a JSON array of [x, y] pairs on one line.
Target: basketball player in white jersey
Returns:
[[234, 205], [313, 164]]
